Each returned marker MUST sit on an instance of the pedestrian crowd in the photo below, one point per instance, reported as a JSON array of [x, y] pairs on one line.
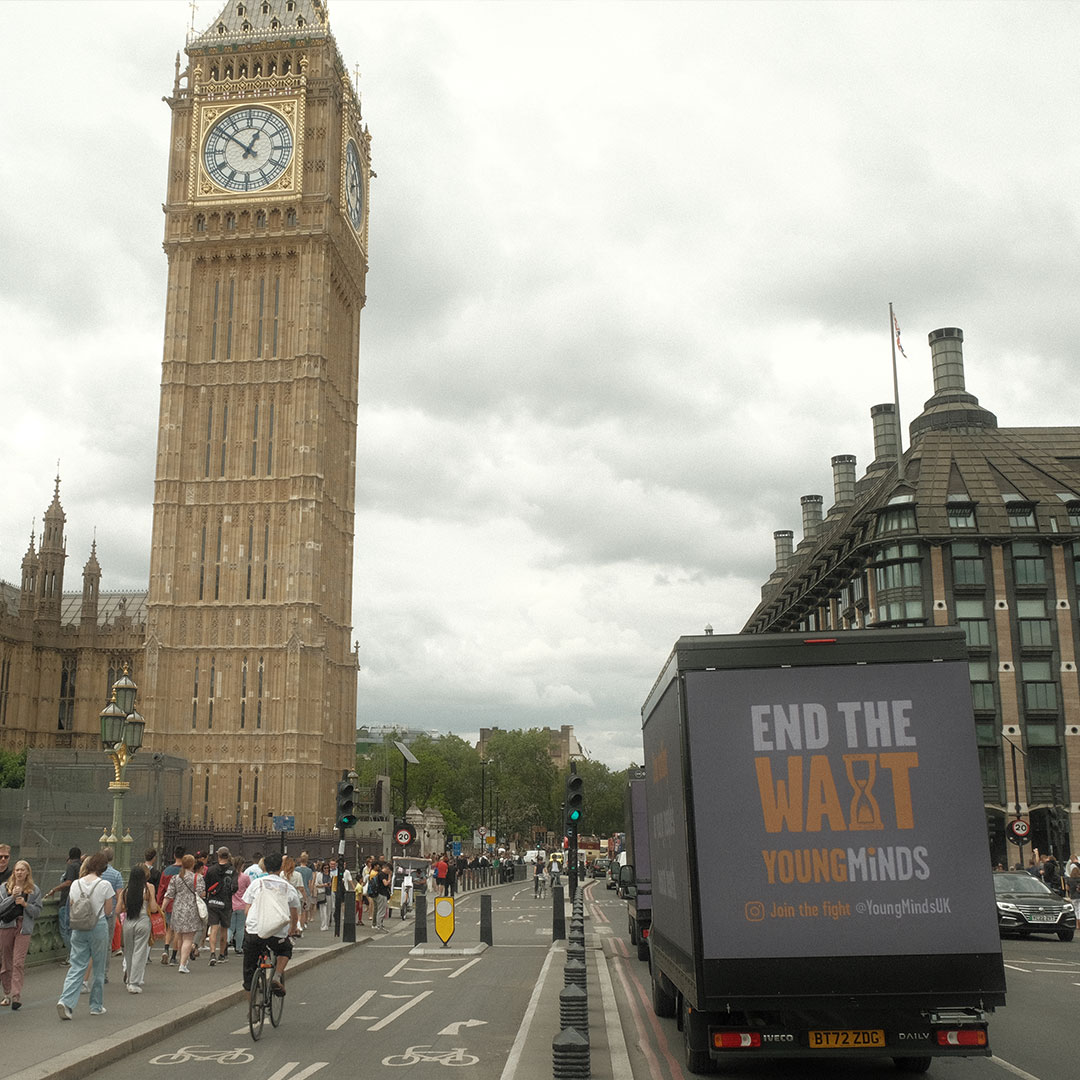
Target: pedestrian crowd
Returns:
[[218, 904]]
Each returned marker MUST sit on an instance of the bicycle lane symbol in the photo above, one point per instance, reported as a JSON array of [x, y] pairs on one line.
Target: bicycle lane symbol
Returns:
[[236, 1056], [414, 1055]]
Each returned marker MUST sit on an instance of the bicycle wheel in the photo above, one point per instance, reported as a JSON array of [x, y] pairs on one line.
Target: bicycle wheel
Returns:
[[277, 1004], [256, 1003]]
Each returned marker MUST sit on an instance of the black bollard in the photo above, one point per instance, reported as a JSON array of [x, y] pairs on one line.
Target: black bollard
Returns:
[[558, 914], [485, 918], [420, 920]]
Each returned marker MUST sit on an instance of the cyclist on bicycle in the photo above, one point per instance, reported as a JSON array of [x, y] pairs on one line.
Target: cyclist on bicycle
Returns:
[[266, 902]]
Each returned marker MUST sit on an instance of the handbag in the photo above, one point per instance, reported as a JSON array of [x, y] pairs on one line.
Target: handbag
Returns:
[[118, 934], [157, 925], [200, 903]]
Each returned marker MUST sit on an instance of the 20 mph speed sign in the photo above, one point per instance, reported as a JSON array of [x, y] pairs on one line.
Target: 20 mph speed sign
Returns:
[[1017, 831], [404, 835]]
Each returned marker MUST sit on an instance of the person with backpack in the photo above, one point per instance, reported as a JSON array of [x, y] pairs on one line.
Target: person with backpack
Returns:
[[90, 903], [273, 915], [220, 884]]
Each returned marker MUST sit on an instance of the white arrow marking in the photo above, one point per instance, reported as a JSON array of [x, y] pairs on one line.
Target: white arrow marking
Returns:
[[455, 1029]]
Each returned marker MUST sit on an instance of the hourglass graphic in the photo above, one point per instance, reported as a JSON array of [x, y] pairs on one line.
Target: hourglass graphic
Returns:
[[861, 773]]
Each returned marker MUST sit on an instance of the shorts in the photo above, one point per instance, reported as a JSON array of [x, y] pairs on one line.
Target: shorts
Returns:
[[218, 916]]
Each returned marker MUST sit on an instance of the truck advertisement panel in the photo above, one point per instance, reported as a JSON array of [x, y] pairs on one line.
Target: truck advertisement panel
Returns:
[[638, 826], [668, 842], [832, 809]]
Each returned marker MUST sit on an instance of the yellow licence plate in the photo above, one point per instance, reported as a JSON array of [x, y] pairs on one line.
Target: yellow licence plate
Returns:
[[839, 1040]]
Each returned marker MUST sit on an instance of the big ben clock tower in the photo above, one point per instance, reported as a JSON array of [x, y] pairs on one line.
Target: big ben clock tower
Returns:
[[250, 670]]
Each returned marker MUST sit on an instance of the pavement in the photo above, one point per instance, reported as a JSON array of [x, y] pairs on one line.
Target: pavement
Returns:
[[39, 1046]]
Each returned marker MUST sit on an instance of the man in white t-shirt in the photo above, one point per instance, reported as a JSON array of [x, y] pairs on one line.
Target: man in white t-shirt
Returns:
[[277, 940]]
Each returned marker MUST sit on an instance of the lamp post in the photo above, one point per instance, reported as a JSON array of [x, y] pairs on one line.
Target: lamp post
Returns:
[[121, 736], [483, 824]]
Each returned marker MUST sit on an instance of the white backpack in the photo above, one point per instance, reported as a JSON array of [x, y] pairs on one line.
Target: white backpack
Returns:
[[83, 914]]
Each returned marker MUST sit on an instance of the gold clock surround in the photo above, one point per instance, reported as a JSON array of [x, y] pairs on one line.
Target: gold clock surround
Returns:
[[201, 188]]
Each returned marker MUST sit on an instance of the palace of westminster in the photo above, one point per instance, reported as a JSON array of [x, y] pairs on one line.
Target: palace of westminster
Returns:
[[241, 646]]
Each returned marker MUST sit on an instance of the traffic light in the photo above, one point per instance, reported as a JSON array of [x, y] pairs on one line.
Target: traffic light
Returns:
[[575, 800], [346, 808]]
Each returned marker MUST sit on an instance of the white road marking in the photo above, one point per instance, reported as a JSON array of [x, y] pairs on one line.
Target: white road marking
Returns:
[[510, 1068], [1014, 1069], [355, 1007], [620, 1060], [397, 1012], [455, 1028], [287, 1068], [464, 967]]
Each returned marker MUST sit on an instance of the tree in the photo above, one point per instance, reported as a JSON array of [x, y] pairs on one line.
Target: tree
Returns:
[[521, 771], [12, 769]]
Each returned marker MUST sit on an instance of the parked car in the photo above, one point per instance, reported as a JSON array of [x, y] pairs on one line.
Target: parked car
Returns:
[[1026, 906], [599, 867]]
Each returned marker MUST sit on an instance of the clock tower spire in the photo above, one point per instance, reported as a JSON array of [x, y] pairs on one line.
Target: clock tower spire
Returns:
[[250, 672]]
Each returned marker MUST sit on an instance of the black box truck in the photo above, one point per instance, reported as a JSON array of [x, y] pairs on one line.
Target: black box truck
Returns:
[[635, 878], [821, 879]]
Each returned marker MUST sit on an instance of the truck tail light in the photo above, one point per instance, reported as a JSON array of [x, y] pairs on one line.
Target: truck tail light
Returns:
[[645, 932], [962, 1037], [736, 1040]]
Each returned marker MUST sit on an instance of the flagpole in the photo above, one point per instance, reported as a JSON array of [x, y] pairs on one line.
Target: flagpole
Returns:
[[896, 393]]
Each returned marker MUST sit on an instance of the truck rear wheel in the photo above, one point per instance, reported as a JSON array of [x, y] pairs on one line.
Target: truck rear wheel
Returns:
[[663, 1002], [695, 1038], [633, 932], [912, 1064], [642, 949]]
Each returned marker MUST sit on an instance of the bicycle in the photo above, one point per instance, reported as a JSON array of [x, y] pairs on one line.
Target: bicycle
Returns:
[[263, 1000]]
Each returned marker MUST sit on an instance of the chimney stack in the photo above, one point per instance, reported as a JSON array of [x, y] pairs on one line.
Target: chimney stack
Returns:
[[951, 407], [884, 419], [947, 357], [843, 474], [782, 539], [811, 516]]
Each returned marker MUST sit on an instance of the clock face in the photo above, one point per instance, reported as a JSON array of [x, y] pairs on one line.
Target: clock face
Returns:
[[248, 149], [354, 186]]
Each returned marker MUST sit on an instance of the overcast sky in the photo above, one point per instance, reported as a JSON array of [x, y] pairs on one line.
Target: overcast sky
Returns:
[[629, 286]]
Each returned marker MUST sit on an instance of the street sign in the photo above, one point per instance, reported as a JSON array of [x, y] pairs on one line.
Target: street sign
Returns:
[[1018, 830], [444, 918], [404, 835], [284, 823]]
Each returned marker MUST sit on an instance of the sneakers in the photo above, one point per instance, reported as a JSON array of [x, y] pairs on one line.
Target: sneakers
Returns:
[[16, 1004], [100, 1011], [63, 1011], [183, 969], [213, 959], [165, 958], [223, 958], [85, 988], [133, 989]]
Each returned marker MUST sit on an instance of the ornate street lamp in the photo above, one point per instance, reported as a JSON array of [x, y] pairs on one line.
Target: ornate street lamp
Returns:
[[121, 736]]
